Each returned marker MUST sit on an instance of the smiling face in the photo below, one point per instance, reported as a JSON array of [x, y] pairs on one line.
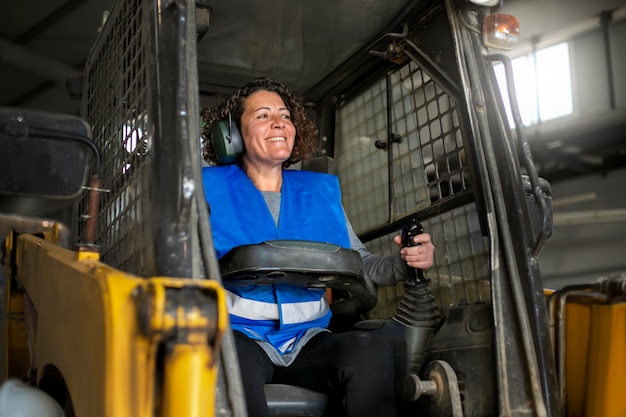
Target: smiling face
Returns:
[[266, 128]]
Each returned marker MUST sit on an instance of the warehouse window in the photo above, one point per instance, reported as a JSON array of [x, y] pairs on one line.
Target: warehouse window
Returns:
[[543, 84]]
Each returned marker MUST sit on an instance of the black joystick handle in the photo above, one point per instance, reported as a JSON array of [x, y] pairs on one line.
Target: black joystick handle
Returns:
[[411, 229]]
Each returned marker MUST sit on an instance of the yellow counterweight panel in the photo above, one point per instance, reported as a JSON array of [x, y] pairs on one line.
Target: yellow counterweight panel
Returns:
[[14, 338], [595, 359], [16, 357], [577, 351], [89, 329], [606, 373]]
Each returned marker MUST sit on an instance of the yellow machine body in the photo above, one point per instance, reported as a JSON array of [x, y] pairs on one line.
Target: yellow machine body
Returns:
[[590, 341], [596, 358], [122, 344]]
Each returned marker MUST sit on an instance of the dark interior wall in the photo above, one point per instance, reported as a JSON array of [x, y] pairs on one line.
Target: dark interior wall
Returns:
[[588, 237]]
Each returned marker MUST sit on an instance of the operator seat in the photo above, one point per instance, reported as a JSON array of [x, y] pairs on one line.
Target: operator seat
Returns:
[[307, 264]]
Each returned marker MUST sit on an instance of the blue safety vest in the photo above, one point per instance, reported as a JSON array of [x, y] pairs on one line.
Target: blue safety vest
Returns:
[[310, 210]]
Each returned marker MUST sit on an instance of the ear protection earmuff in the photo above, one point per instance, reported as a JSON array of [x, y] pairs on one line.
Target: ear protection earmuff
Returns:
[[226, 140]]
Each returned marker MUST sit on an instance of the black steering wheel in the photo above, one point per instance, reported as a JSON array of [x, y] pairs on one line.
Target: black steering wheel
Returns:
[[305, 264]]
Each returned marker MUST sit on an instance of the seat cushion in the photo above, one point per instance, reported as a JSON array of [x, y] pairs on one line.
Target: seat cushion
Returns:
[[292, 401]]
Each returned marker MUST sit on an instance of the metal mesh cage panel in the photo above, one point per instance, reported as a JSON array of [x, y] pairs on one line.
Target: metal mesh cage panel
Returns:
[[427, 170], [362, 167], [425, 116], [115, 101]]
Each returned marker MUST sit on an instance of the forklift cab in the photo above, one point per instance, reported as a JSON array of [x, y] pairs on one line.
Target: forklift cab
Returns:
[[410, 120]]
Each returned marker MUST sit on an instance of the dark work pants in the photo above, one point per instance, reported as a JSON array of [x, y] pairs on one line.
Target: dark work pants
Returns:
[[355, 369]]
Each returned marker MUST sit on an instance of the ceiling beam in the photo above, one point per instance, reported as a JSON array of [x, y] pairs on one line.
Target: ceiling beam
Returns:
[[35, 64]]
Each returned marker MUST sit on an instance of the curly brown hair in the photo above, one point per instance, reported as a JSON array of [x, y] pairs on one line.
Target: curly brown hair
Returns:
[[306, 143]]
